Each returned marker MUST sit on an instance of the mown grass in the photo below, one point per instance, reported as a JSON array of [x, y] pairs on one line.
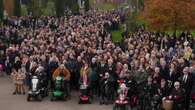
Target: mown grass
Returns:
[[193, 33], [178, 33], [107, 6], [117, 35]]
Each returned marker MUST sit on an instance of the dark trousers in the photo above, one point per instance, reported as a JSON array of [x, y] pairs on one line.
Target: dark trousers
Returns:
[[177, 106], [28, 81], [8, 70], [187, 102], [107, 92], [67, 88], [72, 80], [95, 87]]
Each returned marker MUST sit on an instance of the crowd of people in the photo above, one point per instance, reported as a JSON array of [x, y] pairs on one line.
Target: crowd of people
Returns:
[[162, 64]]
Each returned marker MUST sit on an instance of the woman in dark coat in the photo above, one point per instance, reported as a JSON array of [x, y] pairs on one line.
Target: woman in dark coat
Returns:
[[163, 89], [17, 64]]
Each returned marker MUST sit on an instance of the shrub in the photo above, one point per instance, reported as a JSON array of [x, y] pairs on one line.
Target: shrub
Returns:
[[49, 10], [24, 10]]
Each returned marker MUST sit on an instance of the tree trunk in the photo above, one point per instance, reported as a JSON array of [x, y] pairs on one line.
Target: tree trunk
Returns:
[[35, 8], [17, 8], [1, 9]]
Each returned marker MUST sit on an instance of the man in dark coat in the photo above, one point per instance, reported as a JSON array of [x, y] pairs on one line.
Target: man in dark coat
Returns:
[[71, 65], [186, 82], [53, 65], [164, 70]]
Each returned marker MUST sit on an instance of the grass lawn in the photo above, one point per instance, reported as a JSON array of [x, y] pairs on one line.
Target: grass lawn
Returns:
[[117, 35], [193, 33], [110, 6], [178, 33], [170, 33], [107, 6]]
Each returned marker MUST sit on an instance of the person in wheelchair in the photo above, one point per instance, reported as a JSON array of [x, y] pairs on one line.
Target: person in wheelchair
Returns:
[[85, 85], [40, 71], [64, 72]]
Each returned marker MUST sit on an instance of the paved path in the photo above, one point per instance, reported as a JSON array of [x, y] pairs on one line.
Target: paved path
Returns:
[[18, 102]]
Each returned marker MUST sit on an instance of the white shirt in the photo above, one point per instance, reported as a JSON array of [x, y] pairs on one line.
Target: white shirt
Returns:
[[185, 77]]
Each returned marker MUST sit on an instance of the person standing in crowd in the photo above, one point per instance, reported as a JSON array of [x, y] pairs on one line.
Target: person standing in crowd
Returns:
[[71, 65], [110, 68], [17, 64], [186, 84], [177, 95], [156, 75], [163, 90], [78, 69], [14, 79], [53, 65], [85, 74], [172, 75], [150, 89], [8, 66], [164, 70], [20, 81], [94, 77], [125, 72]]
